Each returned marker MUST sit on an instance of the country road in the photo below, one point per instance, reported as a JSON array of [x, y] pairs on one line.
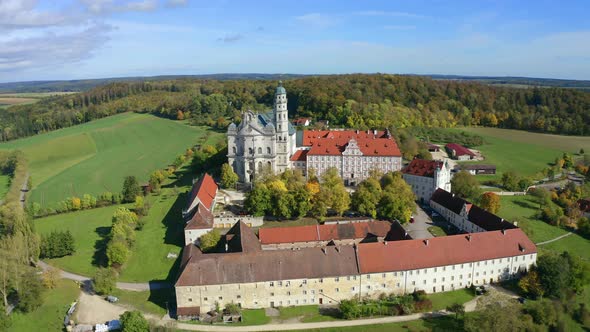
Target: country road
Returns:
[[23, 190]]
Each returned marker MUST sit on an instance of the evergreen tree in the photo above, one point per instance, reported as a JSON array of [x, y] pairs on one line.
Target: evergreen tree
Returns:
[[131, 189]]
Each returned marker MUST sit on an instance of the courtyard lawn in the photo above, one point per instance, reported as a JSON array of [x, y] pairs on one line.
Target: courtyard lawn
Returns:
[[525, 153], [254, 317], [50, 316], [95, 157], [437, 231], [523, 210], [4, 185], [441, 301], [90, 229]]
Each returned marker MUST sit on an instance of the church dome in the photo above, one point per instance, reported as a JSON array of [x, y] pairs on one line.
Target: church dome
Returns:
[[280, 89]]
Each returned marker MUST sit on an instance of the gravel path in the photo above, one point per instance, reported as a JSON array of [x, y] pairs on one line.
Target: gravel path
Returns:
[[469, 306], [553, 240], [137, 287]]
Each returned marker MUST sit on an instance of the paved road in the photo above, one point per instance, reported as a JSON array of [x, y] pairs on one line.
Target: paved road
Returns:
[[137, 287], [469, 307], [553, 240], [419, 228]]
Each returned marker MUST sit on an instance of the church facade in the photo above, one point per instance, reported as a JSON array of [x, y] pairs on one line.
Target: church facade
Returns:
[[262, 140]]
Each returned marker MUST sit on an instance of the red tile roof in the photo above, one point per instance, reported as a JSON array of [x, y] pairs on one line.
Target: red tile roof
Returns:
[[300, 155], [205, 189], [371, 143], [332, 261], [459, 149], [421, 167], [326, 232], [441, 251], [300, 121]]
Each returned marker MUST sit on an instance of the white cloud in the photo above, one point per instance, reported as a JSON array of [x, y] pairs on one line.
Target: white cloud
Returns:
[[176, 3], [316, 20], [388, 13], [22, 14], [101, 7], [232, 38]]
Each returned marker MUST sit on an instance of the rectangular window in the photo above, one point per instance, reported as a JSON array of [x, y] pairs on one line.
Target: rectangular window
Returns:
[[336, 279], [304, 292], [383, 275], [204, 299], [368, 276], [221, 298], [190, 299], [239, 296], [337, 290]]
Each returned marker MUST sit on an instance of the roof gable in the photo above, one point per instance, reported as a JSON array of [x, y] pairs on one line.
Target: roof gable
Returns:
[[421, 167], [205, 190]]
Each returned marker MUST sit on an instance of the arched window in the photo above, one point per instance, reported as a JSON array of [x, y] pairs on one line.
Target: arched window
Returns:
[[280, 138], [234, 149], [250, 150], [267, 150], [259, 150]]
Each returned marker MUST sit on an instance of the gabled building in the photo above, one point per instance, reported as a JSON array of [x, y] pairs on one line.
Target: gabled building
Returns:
[[465, 215], [425, 176], [198, 214], [331, 234], [353, 153], [459, 152], [303, 122], [478, 169], [256, 278]]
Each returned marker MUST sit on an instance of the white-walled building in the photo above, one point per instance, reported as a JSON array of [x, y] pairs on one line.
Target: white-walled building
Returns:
[[198, 215], [262, 140], [425, 176], [354, 153], [465, 215], [257, 278]]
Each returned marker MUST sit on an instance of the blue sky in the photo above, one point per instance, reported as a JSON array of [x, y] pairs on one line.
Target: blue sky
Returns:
[[75, 39]]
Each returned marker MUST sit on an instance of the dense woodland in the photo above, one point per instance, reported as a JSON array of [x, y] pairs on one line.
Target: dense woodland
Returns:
[[361, 101]]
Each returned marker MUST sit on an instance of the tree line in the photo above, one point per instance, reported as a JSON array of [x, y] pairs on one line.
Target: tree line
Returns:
[[361, 101]]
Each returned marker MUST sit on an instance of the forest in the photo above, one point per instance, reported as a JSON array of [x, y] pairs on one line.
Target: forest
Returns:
[[361, 101]]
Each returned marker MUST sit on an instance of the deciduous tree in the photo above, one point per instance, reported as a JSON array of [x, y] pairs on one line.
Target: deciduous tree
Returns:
[[229, 178], [465, 185], [133, 321], [490, 202], [104, 280]]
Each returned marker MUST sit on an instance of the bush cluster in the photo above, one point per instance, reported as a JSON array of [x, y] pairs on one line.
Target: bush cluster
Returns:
[[57, 244]]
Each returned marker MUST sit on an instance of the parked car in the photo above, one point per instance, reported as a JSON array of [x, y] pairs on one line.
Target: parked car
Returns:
[[112, 299]]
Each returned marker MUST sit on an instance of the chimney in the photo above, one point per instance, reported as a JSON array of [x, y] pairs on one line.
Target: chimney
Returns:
[[503, 231], [385, 242], [426, 242], [515, 223], [469, 237], [325, 251], [226, 248], [375, 132]]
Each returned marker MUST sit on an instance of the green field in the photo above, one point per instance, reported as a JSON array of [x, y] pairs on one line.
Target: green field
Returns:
[[50, 316], [4, 185], [523, 209], [524, 152], [153, 302], [161, 234], [95, 157], [441, 301], [89, 229]]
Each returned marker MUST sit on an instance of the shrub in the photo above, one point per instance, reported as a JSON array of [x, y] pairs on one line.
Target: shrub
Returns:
[[423, 305], [133, 321], [104, 281]]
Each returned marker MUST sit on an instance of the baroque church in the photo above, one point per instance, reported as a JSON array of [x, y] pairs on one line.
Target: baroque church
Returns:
[[262, 140]]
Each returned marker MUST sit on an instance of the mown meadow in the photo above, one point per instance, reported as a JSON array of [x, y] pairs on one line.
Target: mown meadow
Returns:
[[95, 157]]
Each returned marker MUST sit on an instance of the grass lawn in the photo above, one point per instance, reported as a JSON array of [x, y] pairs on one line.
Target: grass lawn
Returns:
[[153, 302], [305, 314], [574, 244], [440, 301], [4, 185], [95, 157], [525, 153], [437, 231], [523, 209], [89, 228], [50, 316], [162, 234], [254, 317]]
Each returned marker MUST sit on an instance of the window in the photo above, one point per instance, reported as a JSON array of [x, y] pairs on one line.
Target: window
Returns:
[[368, 286], [289, 293], [383, 275], [383, 285], [424, 282], [221, 298], [368, 276], [234, 149], [337, 290], [272, 284], [336, 279], [443, 279], [435, 269], [267, 150], [259, 150], [321, 280], [272, 294], [250, 151], [280, 283], [239, 296], [352, 289], [190, 299], [413, 283], [434, 280], [305, 281]]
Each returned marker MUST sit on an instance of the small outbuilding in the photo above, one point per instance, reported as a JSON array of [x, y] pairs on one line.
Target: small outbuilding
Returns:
[[459, 152], [479, 169]]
